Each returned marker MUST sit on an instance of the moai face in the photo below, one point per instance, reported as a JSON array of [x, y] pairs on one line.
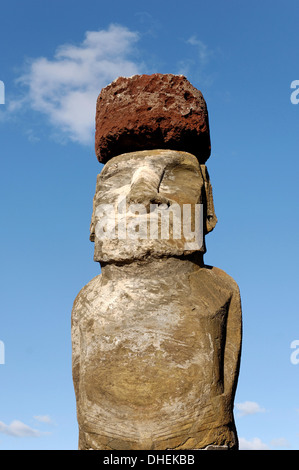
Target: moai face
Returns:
[[151, 203]]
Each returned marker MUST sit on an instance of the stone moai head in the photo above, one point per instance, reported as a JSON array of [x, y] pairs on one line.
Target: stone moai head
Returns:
[[153, 197]]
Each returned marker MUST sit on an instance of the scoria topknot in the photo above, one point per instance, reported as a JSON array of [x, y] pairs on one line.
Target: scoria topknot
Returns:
[[151, 112]]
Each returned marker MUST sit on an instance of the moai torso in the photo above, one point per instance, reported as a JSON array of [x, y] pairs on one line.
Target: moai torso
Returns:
[[157, 335]]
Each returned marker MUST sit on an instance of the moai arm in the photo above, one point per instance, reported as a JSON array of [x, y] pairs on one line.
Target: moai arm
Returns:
[[75, 347], [233, 341]]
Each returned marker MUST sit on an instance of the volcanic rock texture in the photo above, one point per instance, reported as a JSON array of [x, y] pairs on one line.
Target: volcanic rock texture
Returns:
[[151, 112]]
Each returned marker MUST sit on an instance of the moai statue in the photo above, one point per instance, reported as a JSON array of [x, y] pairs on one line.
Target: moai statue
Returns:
[[157, 335]]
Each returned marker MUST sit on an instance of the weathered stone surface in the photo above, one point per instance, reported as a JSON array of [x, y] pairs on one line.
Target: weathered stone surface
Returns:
[[166, 178], [157, 336], [143, 112], [156, 347]]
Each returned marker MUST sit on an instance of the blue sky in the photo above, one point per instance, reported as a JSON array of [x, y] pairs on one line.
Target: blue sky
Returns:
[[55, 58]]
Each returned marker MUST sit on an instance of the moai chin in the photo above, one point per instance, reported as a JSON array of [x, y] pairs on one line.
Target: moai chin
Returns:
[[157, 335]]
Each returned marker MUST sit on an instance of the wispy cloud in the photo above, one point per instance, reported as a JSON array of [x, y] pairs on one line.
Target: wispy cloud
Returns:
[[249, 408], [254, 444], [198, 62], [203, 52], [65, 88], [44, 419], [19, 429], [280, 442]]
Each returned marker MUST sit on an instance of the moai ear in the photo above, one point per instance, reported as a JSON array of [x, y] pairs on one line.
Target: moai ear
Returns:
[[209, 211], [92, 223], [92, 229]]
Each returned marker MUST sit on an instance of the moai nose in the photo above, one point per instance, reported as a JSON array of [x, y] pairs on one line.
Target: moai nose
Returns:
[[145, 186]]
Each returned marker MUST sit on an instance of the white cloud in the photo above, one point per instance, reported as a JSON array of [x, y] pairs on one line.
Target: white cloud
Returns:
[[18, 429], [254, 444], [279, 442], [44, 419], [198, 62], [249, 408], [65, 87], [204, 53]]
